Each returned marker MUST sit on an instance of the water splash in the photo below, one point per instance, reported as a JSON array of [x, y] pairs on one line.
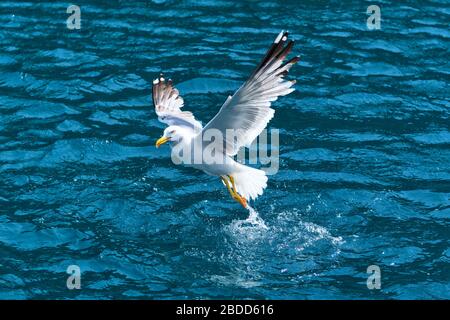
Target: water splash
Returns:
[[251, 228], [253, 222], [254, 219]]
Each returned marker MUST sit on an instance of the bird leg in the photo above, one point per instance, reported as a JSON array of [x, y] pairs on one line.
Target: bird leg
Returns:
[[232, 182], [236, 196], [227, 184]]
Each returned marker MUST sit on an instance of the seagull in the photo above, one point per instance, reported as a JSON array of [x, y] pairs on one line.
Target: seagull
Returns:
[[247, 112]]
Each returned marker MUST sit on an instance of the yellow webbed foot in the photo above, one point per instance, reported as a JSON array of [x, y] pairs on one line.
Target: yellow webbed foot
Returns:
[[241, 200]]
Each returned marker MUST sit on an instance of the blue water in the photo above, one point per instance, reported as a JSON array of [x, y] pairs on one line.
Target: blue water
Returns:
[[364, 175]]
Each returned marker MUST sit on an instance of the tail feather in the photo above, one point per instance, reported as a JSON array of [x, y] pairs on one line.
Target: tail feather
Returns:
[[250, 182]]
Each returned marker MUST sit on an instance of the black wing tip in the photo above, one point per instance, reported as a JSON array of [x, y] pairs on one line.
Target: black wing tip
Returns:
[[159, 87], [282, 36], [160, 81], [280, 49], [277, 51], [294, 60]]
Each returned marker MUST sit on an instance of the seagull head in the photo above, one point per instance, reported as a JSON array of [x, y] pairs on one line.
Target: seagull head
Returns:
[[171, 133]]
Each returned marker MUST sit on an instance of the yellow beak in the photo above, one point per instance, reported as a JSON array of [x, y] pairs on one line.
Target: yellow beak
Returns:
[[161, 141]]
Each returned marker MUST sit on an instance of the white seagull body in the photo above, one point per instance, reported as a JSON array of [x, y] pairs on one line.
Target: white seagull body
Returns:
[[247, 113]]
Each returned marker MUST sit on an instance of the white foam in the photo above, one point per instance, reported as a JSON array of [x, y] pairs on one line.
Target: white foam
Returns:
[[255, 219], [252, 228]]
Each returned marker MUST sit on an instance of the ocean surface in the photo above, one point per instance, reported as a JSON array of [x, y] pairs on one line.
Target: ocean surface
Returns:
[[364, 173]]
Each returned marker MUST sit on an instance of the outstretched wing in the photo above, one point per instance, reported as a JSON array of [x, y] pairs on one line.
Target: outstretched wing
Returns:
[[248, 111], [168, 104]]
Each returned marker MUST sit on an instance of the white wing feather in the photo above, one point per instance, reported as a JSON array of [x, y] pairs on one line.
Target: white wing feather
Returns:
[[248, 111], [168, 104]]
